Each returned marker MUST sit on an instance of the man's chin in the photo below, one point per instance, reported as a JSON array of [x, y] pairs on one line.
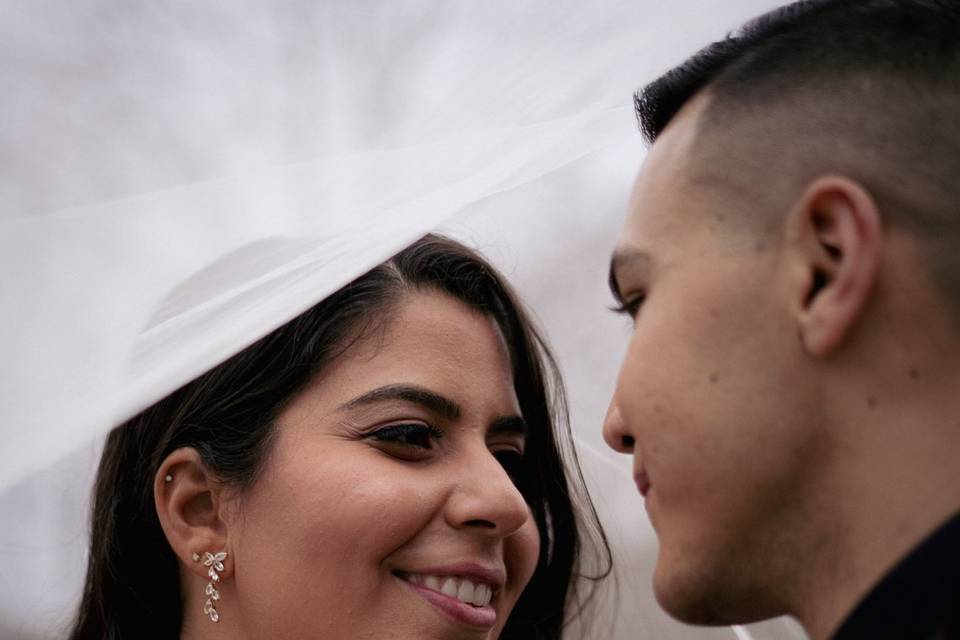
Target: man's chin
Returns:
[[700, 597]]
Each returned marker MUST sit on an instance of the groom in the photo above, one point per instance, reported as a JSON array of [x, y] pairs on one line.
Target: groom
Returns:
[[791, 258]]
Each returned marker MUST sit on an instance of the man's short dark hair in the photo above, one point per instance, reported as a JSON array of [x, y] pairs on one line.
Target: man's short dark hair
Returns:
[[867, 88], [918, 40]]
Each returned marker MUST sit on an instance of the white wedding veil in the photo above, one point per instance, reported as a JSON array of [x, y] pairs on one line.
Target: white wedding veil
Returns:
[[177, 179]]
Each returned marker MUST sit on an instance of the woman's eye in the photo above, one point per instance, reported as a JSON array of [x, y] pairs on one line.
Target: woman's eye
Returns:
[[415, 436], [512, 463], [630, 306]]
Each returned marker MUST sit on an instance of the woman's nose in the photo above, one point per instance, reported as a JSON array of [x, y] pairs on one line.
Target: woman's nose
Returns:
[[485, 499], [615, 430]]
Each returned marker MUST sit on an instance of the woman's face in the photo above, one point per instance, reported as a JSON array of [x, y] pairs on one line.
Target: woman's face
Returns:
[[384, 509]]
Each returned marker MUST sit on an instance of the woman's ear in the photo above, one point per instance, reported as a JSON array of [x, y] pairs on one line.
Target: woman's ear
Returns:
[[835, 241], [190, 505]]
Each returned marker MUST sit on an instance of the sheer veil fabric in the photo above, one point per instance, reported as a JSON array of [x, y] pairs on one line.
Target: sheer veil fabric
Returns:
[[179, 179]]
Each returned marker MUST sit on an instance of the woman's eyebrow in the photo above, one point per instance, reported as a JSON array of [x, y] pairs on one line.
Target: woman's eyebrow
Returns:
[[509, 425], [445, 407]]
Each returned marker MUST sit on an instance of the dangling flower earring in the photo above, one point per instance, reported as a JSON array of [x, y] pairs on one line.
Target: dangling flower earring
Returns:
[[215, 562]]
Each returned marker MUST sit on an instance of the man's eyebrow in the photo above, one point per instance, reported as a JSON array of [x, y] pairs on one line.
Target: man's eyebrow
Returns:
[[445, 407], [623, 257], [509, 425]]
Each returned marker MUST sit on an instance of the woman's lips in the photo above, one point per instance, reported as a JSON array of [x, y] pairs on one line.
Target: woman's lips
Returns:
[[484, 617]]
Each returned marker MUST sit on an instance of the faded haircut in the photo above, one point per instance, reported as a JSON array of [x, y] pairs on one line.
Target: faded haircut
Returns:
[[869, 89]]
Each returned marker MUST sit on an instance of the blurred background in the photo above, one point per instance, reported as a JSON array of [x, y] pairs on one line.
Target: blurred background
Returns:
[[108, 101]]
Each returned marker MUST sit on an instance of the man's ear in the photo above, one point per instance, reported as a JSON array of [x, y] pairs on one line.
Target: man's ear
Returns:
[[190, 505], [834, 241]]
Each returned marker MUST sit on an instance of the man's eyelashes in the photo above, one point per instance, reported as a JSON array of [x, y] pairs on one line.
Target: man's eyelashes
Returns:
[[630, 306]]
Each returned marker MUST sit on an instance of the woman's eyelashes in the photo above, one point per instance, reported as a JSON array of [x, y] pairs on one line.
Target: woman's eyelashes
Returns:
[[412, 436], [416, 441]]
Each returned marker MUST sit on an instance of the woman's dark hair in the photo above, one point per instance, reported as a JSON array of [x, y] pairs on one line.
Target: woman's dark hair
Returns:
[[132, 587]]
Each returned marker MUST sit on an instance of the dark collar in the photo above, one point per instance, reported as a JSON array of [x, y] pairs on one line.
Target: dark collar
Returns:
[[919, 598]]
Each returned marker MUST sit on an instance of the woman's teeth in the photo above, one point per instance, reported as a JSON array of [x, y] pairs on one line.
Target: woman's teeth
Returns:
[[463, 589]]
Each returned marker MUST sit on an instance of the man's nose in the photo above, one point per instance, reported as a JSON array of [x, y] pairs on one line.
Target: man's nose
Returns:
[[615, 430]]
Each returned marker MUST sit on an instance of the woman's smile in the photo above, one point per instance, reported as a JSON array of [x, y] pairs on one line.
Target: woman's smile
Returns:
[[464, 592]]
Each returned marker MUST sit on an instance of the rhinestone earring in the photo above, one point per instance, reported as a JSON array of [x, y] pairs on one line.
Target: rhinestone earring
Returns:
[[215, 562]]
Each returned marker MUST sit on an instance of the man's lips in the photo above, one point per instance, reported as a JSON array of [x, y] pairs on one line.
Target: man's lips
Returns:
[[643, 483]]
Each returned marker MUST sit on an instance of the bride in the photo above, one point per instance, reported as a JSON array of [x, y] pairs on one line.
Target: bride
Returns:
[[389, 464]]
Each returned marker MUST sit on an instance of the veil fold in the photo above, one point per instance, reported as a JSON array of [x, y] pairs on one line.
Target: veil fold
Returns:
[[120, 304]]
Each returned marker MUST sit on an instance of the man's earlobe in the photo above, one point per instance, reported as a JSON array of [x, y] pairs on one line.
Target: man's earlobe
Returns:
[[835, 241], [189, 502]]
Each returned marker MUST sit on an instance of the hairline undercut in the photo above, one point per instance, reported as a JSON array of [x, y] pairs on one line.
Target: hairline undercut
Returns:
[[869, 90]]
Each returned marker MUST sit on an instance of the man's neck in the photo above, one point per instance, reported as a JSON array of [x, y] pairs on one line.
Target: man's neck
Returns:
[[892, 483]]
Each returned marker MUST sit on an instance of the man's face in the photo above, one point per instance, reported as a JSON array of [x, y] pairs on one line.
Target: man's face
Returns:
[[708, 398]]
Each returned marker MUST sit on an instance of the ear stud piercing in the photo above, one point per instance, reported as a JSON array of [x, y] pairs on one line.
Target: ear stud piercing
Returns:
[[168, 478], [215, 562]]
